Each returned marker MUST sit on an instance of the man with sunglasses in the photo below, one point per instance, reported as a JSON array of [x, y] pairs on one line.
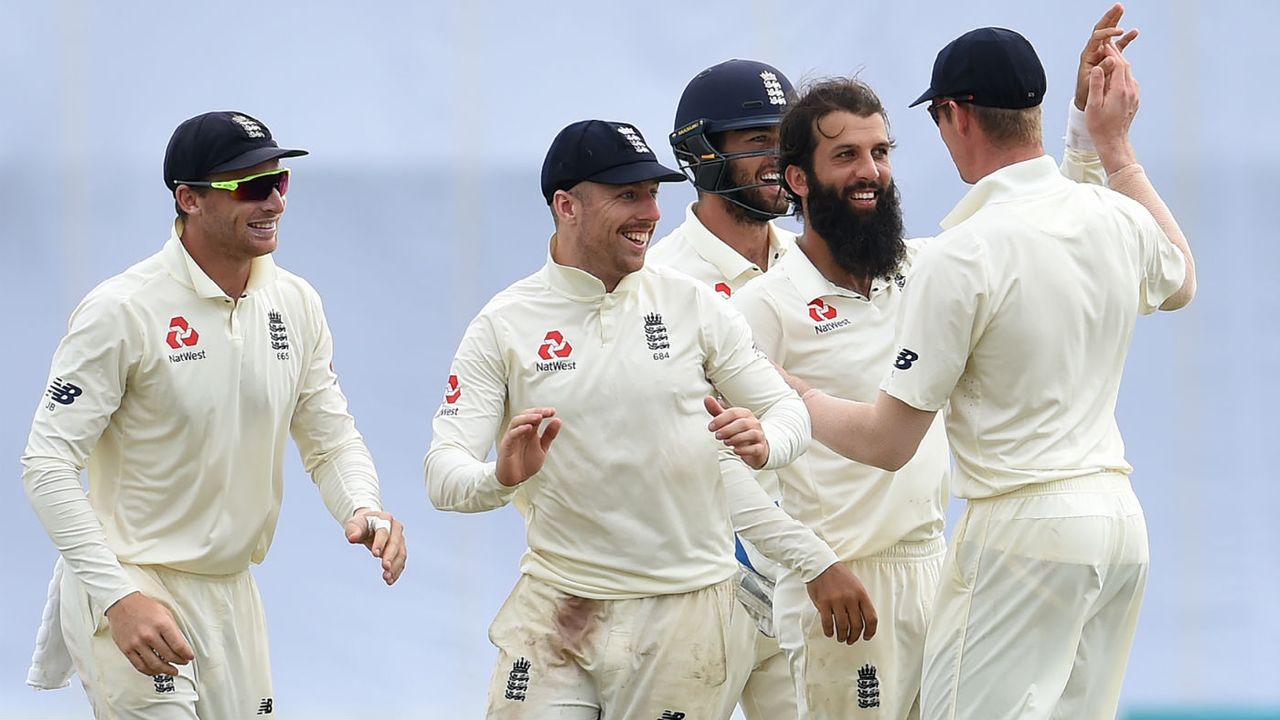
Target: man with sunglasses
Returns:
[[725, 140], [177, 386], [1017, 319]]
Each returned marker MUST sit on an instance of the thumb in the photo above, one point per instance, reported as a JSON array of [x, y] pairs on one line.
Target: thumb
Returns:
[[356, 528], [713, 406], [1097, 79]]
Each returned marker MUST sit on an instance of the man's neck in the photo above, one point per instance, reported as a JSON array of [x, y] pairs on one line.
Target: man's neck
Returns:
[[748, 239], [816, 249], [992, 158], [230, 274]]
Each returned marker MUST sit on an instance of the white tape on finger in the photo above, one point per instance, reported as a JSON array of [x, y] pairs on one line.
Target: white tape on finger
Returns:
[[377, 523]]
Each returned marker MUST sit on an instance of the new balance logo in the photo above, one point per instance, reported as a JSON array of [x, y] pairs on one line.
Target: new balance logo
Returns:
[[518, 680], [164, 683], [868, 687], [905, 358], [900, 280], [672, 715], [63, 393], [266, 707]]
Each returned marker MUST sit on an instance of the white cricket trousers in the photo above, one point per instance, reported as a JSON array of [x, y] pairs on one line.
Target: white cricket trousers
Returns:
[[876, 679], [763, 680], [563, 657], [222, 619], [1038, 604]]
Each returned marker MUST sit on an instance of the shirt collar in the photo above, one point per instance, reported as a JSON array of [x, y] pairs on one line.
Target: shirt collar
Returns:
[[728, 261], [185, 270], [577, 284], [1029, 178], [811, 284]]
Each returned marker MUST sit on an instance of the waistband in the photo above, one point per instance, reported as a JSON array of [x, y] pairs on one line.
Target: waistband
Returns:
[[921, 550], [1098, 483]]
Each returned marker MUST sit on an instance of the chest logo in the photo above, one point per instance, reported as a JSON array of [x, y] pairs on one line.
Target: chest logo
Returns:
[[181, 334], [825, 317], [555, 350], [276, 329], [655, 336], [724, 289]]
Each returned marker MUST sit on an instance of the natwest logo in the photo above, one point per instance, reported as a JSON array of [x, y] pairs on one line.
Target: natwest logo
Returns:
[[453, 390], [555, 349], [820, 311], [724, 289], [554, 346], [181, 334]]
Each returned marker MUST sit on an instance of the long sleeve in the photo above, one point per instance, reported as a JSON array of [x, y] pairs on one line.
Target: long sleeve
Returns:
[[469, 419], [1080, 159], [89, 373], [333, 452], [746, 378], [766, 526]]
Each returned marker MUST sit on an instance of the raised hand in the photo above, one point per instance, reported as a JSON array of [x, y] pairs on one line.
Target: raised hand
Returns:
[[523, 450], [1106, 32], [1112, 105]]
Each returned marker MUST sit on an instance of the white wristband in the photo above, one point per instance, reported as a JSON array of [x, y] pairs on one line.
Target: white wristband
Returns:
[[1077, 131]]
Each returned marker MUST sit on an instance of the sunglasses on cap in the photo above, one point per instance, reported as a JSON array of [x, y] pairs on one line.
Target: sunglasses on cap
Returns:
[[254, 188], [941, 101]]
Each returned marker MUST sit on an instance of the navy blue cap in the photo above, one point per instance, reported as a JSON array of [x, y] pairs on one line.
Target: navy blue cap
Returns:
[[217, 142], [998, 67], [613, 153]]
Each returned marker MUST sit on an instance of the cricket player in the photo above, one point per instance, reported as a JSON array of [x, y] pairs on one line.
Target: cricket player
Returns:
[[1017, 319], [177, 385], [593, 378], [725, 140]]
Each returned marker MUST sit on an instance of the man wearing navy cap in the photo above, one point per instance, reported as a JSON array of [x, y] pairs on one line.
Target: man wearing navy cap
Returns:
[[177, 385], [592, 376], [1017, 320]]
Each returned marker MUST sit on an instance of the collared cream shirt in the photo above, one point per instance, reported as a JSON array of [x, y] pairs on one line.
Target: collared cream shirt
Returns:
[[840, 342], [1020, 316], [635, 496], [179, 401], [693, 250]]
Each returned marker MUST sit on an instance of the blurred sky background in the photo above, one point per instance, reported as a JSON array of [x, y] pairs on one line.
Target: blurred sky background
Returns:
[[427, 123]]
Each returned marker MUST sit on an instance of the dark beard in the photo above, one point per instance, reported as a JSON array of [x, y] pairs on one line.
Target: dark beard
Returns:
[[862, 245], [747, 206]]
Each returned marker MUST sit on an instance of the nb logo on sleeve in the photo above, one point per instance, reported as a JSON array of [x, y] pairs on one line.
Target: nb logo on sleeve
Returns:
[[905, 359], [63, 393]]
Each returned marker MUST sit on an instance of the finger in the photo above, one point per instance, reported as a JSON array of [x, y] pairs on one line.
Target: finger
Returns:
[[1110, 17], [1096, 80], [713, 406], [855, 624], [379, 543], [394, 547], [1129, 37], [152, 664], [175, 647], [549, 433], [843, 628], [135, 659], [870, 621], [391, 573], [356, 529], [828, 624], [745, 438], [721, 423]]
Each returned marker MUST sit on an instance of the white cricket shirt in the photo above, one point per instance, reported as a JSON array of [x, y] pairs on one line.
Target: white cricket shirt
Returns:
[[840, 342], [631, 501], [1020, 314], [693, 250], [179, 402]]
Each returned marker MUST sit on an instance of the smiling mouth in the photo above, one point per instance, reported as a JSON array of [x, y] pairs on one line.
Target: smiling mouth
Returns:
[[640, 238], [770, 178], [263, 225]]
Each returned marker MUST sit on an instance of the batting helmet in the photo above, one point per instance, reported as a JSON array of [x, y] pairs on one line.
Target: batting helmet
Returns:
[[734, 95]]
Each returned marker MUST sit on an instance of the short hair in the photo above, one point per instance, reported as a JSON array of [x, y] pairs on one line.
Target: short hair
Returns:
[[798, 132], [1006, 127]]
